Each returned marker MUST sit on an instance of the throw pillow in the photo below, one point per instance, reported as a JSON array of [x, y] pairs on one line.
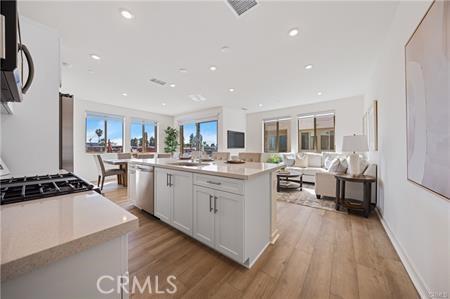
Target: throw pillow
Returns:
[[301, 161], [344, 164], [334, 166], [327, 162]]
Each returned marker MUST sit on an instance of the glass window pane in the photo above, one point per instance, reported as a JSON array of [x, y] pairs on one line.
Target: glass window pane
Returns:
[[270, 137], [208, 136], [95, 134], [306, 133], [189, 132], [284, 141], [114, 131], [149, 137], [136, 136]]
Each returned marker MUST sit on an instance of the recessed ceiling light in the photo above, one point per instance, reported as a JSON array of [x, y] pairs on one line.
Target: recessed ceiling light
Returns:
[[126, 14], [308, 66], [183, 70], [260, 105], [95, 56], [163, 104], [231, 89], [225, 49], [172, 85], [293, 32], [124, 94], [213, 68], [319, 93]]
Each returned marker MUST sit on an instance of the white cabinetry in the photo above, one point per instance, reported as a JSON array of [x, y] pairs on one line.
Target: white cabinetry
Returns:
[[173, 198], [218, 221], [229, 215]]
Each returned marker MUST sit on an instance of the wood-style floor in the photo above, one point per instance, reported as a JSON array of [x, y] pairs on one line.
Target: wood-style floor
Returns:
[[320, 254]]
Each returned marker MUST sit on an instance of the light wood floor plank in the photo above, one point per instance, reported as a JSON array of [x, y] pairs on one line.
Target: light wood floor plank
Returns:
[[320, 254]]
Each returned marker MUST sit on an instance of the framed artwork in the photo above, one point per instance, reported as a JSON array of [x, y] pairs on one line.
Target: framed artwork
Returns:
[[427, 61], [370, 126]]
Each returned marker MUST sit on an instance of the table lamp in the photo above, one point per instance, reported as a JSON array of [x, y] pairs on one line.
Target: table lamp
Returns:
[[354, 144]]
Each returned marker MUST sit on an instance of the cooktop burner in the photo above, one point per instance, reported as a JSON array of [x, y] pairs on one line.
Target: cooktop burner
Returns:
[[35, 187]]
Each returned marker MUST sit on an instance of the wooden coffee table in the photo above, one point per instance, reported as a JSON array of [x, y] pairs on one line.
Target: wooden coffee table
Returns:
[[289, 180]]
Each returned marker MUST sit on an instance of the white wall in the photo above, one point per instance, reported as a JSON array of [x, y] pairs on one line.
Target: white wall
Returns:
[[348, 112], [417, 220], [84, 164], [233, 120], [30, 137]]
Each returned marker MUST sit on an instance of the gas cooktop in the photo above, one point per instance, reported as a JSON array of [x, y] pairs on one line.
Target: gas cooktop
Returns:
[[40, 186]]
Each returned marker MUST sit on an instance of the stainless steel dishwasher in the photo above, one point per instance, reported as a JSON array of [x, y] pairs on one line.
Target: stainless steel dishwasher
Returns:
[[144, 188]]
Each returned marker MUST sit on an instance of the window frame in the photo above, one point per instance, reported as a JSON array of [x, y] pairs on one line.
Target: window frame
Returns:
[[104, 118], [142, 123], [197, 132], [277, 136], [316, 148]]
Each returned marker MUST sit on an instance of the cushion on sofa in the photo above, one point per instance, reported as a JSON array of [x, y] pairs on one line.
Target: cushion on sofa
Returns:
[[301, 160], [312, 170], [314, 159], [327, 162]]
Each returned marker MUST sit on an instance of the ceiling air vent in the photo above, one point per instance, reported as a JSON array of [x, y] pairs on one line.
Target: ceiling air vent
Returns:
[[241, 6], [157, 81]]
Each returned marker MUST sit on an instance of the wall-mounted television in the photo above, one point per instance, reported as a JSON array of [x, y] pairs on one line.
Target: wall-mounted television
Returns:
[[235, 139]]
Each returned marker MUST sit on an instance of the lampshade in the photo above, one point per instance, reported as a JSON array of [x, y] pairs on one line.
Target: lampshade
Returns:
[[355, 143]]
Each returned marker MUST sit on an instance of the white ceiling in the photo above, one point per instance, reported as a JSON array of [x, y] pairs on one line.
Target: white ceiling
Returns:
[[264, 64]]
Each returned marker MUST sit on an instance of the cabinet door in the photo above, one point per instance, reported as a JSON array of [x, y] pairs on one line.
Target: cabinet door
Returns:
[[182, 200], [163, 194], [229, 225], [204, 215]]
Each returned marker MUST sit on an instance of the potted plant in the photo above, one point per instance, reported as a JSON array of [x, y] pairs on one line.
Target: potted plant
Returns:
[[275, 159], [171, 140]]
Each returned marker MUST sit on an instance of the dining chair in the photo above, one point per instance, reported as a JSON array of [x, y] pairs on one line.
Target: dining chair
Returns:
[[164, 155], [223, 156], [123, 155], [103, 172], [145, 156], [250, 157]]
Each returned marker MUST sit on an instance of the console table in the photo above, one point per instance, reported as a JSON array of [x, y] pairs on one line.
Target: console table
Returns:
[[353, 204]]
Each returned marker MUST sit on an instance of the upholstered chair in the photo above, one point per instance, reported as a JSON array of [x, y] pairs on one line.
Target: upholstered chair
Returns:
[[103, 172], [221, 156], [250, 157]]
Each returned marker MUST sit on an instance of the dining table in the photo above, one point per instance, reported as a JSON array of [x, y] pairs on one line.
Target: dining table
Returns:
[[123, 164]]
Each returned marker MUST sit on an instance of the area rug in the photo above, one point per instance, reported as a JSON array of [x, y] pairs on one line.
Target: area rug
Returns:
[[307, 197]]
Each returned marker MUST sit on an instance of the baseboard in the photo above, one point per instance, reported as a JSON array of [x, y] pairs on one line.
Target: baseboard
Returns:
[[412, 273]]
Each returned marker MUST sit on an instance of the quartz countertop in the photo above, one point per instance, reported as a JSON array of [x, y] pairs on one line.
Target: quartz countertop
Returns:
[[242, 171], [38, 232]]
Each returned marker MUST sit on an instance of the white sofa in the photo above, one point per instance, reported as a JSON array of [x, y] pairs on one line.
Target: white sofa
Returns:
[[314, 171]]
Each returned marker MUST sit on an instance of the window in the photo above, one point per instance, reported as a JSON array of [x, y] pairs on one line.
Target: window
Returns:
[[316, 132], [199, 136], [143, 136], [277, 136], [104, 134]]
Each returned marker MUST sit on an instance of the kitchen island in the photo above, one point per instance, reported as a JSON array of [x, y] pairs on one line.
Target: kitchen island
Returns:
[[58, 247], [228, 207]]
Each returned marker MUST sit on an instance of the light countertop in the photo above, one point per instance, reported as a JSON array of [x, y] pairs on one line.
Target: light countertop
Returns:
[[218, 168], [38, 232]]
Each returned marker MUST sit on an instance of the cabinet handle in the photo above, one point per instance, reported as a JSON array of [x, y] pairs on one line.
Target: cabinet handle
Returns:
[[214, 183], [210, 203], [167, 179], [215, 204], [170, 180]]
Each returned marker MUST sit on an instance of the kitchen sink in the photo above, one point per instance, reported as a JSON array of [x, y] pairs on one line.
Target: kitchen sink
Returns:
[[187, 163]]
